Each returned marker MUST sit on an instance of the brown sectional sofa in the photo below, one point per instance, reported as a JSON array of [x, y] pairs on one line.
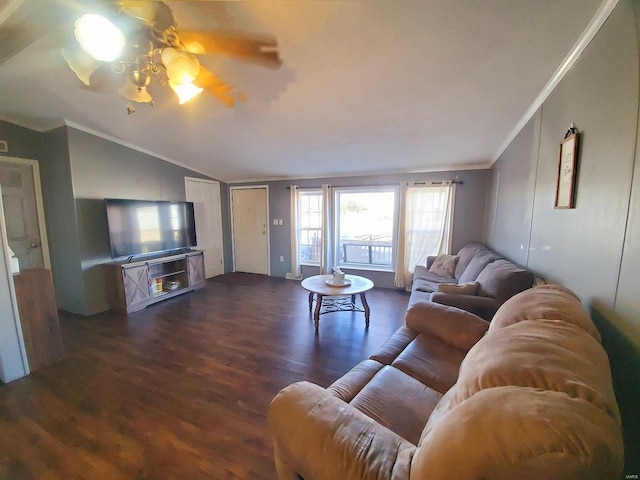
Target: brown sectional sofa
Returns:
[[450, 396], [498, 280]]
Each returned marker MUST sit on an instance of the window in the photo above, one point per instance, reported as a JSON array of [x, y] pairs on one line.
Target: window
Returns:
[[310, 226], [365, 226]]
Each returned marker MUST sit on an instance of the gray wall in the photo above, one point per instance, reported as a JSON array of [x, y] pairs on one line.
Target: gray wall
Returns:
[[593, 249], [582, 247], [101, 169], [62, 222], [468, 216], [79, 171], [22, 142]]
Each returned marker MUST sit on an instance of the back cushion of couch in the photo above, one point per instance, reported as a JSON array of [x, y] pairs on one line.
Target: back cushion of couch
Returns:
[[502, 280], [507, 433], [543, 354], [534, 399], [480, 260], [552, 302], [465, 255]]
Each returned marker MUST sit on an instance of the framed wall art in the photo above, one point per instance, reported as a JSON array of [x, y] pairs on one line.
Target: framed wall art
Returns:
[[567, 169]]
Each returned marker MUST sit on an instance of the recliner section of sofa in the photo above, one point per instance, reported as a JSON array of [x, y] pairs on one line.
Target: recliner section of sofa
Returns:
[[449, 395], [498, 280]]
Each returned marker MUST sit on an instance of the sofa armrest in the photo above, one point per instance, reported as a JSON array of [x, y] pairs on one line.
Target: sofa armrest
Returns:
[[317, 435], [454, 326], [484, 307], [430, 260]]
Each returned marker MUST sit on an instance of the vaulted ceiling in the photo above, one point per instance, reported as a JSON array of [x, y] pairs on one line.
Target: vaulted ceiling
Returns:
[[366, 87]]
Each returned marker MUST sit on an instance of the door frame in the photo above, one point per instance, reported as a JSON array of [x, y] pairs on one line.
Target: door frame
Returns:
[[268, 236], [15, 371], [42, 226], [218, 206]]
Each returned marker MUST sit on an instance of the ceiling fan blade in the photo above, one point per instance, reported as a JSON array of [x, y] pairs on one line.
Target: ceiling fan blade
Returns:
[[141, 10], [224, 92], [156, 15], [262, 50]]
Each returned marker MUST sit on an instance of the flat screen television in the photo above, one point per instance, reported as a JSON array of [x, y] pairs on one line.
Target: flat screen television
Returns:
[[142, 227]]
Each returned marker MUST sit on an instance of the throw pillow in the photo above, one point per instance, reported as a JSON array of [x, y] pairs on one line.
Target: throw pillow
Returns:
[[470, 288], [444, 265]]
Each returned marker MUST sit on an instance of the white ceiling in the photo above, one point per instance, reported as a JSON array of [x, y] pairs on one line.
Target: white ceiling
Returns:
[[366, 87]]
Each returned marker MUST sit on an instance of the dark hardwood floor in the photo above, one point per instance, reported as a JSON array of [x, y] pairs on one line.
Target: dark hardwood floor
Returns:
[[180, 390]]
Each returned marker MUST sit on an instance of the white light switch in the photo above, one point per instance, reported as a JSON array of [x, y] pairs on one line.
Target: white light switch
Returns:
[[275, 221], [279, 221]]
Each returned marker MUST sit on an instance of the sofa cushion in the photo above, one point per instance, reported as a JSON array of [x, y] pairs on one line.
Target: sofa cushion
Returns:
[[470, 288], [431, 361], [316, 435], [418, 296], [348, 386], [552, 302], [444, 265], [426, 281], [398, 401], [452, 325], [465, 255], [484, 307], [395, 344], [506, 433], [502, 279], [476, 265], [542, 354]]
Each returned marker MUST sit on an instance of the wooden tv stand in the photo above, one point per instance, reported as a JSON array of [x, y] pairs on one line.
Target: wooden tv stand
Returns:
[[134, 285]]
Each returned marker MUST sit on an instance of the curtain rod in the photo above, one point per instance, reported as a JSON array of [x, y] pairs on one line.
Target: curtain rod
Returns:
[[458, 182]]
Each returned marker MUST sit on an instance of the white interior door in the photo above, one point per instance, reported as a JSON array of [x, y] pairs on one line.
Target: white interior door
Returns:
[[205, 195], [250, 223], [24, 212]]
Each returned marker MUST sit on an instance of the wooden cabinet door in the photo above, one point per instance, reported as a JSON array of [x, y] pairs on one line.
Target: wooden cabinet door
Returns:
[[136, 284], [196, 270]]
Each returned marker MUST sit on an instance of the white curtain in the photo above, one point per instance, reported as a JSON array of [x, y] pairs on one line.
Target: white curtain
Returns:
[[295, 239], [326, 260], [426, 218]]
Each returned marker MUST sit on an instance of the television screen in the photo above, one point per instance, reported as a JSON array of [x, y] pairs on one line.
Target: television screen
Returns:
[[140, 227]]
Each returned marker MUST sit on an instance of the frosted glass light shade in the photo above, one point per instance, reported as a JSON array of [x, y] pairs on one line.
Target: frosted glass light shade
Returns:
[[81, 63], [134, 93], [99, 37], [182, 67], [184, 91]]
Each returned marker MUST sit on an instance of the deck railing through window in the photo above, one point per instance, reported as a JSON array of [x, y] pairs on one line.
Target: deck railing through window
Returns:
[[368, 252], [310, 245]]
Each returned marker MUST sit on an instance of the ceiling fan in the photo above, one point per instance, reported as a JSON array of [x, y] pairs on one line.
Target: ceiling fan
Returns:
[[141, 41]]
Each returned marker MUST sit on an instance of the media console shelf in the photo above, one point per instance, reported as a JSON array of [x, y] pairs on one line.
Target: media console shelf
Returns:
[[134, 285]]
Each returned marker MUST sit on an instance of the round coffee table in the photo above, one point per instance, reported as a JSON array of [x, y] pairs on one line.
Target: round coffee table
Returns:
[[318, 286]]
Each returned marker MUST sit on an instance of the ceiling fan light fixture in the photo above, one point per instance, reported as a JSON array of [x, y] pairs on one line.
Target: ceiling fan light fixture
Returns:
[[132, 92], [182, 67], [184, 91], [138, 77], [81, 63], [99, 37]]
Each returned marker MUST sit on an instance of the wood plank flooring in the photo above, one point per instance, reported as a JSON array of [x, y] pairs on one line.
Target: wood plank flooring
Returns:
[[180, 390]]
